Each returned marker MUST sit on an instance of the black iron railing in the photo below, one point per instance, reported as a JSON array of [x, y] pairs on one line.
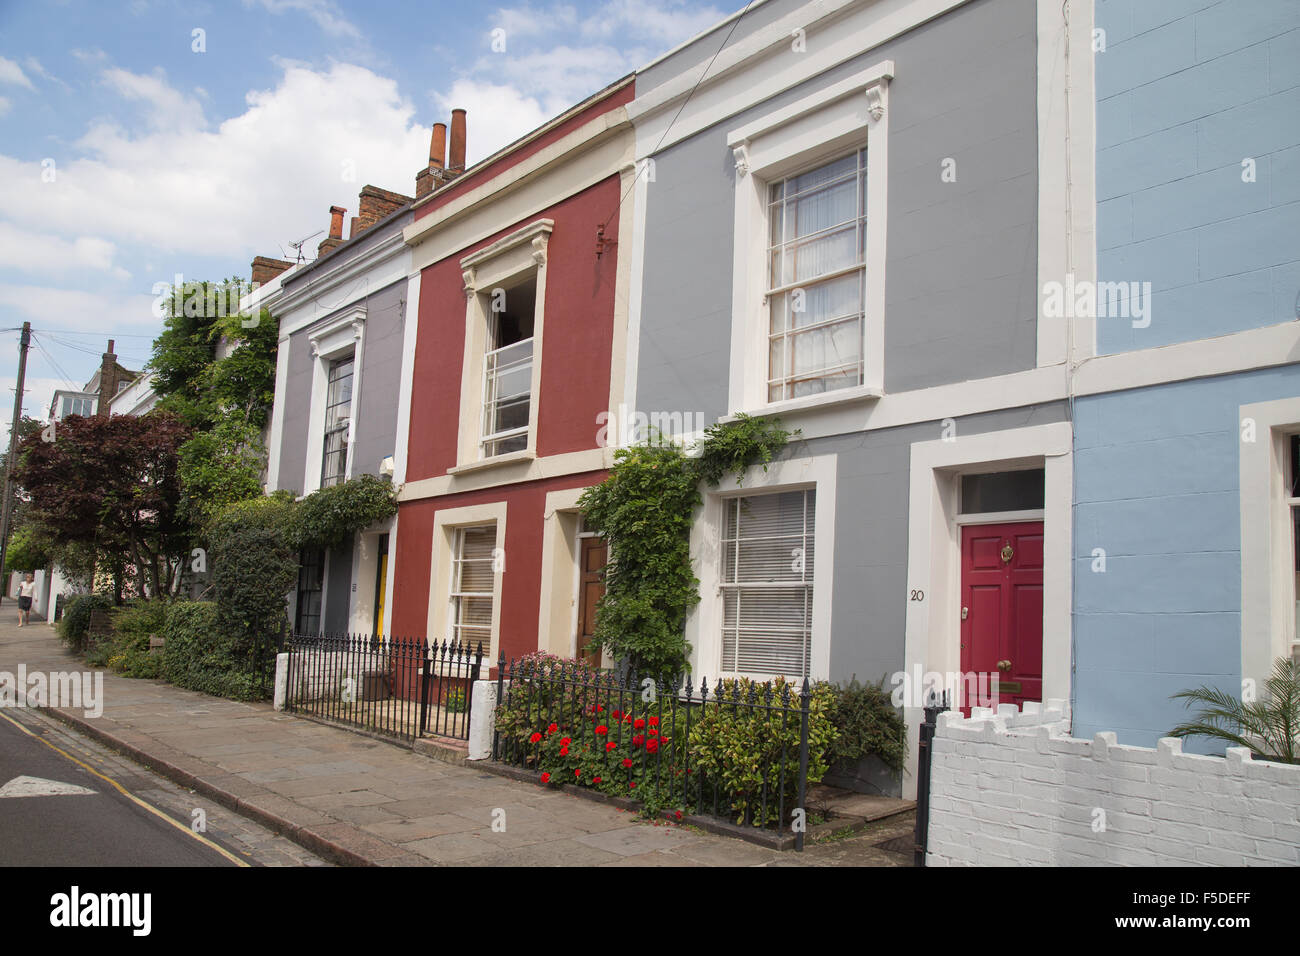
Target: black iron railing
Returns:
[[394, 686], [672, 748], [925, 754]]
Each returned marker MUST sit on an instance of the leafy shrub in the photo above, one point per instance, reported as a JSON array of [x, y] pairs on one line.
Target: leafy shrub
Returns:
[[202, 657], [867, 724], [329, 516], [574, 725], [454, 702], [27, 551], [740, 748], [75, 623], [254, 564]]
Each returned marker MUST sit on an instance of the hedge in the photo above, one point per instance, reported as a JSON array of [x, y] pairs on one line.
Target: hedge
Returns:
[[200, 656]]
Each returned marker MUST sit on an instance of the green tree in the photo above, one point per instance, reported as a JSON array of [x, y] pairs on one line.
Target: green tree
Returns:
[[220, 467]]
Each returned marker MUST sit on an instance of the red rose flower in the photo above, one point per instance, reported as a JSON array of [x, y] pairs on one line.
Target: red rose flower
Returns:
[[654, 721], [553, 728], [534, 738], [653, 732], [627, 761], [577, 773], [602, 730], [638, 723], [617, 714], [679, 814], [651, 745], [595, 780], [565, 741], [546, 778], [564, 751], [632, 785], [610, 746], [638, 740], [627, 718]]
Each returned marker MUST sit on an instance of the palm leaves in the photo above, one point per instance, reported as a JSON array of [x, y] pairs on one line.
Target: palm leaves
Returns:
[[1269, 727]]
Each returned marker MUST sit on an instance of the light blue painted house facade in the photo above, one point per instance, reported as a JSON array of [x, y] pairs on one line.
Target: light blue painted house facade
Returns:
[[1185, 529]]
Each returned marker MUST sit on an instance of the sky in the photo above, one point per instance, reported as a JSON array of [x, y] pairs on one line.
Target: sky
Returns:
[[145, 140]]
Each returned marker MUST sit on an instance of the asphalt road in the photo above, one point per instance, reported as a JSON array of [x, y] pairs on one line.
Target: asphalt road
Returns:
[[100, 828]]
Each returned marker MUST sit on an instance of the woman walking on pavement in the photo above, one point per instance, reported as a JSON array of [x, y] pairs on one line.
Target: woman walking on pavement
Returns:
[[26, 591]]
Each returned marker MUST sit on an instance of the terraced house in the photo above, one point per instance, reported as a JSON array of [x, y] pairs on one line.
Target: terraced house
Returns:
[[343, 333], [520, 270], [849, 217]]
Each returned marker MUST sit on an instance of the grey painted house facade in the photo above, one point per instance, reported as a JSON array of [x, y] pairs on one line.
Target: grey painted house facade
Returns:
[[845, 224], [343, 325]]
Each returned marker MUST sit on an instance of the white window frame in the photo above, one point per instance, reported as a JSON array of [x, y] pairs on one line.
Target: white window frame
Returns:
[[845, 116], [507, 261], [447, 524], [1268, 598], [704, 622], [730, 635], [333, 340]]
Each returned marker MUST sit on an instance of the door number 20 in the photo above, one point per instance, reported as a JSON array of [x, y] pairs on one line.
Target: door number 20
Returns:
[[917, 595]]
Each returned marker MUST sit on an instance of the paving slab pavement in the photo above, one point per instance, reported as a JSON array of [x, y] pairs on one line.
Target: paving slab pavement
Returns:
[[358, 801]]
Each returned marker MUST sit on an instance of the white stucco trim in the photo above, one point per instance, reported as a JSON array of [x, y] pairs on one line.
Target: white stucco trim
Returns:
[[557, 611], [445, 524], [762, 65], [410, 334], [1067, 204], [704, 621], [274, 446], [524, 468], [593, 152], [932, 641], [834, 121], [1268, 625], [511, 259], [335, 339]]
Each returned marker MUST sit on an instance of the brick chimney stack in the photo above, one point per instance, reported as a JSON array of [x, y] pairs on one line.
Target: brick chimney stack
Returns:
[[438, 146], [456, 162], [107, 380], [265, 269], [336, 231], [444, 165]]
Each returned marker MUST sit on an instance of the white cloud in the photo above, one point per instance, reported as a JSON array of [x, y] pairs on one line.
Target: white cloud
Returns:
[[5, 105], [11, 72], [38, 393], [85, 311], [167, 108], [497, 115], [528, 21], [663, 22], [41, 253], [258, 180], [323, 13]]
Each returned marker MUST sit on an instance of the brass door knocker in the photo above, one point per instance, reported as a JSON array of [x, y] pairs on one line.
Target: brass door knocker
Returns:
[[1007, 553]]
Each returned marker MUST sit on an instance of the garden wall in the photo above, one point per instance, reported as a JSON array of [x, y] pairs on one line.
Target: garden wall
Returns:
[[1014, 788]]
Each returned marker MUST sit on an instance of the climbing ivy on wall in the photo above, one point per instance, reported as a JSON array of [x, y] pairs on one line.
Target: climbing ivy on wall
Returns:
[[645, 509]]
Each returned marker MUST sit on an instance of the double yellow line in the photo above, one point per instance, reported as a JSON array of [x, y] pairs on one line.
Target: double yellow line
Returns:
[[131, 796]]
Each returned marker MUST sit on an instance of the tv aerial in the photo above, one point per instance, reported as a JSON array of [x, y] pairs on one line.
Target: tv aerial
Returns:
[[297, 246]]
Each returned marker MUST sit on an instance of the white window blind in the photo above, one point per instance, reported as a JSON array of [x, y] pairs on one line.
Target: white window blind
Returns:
[[472, 579], [767, 583]]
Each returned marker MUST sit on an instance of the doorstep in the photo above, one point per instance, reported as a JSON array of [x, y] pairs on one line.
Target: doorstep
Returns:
[[447, 749]]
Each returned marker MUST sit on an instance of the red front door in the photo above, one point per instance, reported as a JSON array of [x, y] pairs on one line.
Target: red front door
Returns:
[[1002, 610]]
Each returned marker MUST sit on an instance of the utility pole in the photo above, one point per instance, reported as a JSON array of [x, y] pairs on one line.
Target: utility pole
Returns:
[[6, 511]]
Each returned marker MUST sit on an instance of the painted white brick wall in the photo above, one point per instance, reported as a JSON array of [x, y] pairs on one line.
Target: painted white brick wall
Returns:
[[1011, 788]]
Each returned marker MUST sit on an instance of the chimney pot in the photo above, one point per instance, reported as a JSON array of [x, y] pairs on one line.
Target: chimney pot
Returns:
[[438, 146], [457, 159], [336, 222]]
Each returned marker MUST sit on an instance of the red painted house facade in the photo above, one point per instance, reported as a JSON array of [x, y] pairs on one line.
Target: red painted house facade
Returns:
[[522, 286]]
